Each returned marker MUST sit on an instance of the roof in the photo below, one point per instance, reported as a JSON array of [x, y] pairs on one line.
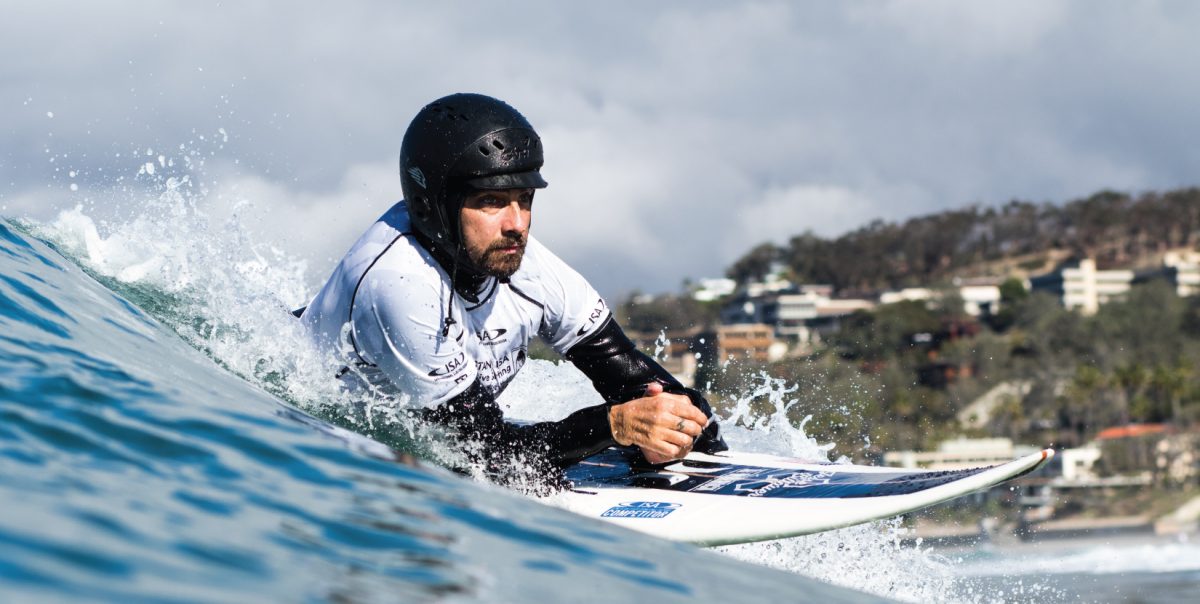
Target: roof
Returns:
[[1131, 430]]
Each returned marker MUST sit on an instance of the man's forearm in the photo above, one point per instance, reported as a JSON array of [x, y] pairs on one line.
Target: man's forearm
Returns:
[[475, 414], [620, 372]]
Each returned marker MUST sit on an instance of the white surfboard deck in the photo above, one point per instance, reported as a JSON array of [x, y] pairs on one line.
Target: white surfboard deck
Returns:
[[734, 497]]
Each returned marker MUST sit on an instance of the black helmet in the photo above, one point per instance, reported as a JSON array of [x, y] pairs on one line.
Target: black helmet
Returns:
[[458, 144]]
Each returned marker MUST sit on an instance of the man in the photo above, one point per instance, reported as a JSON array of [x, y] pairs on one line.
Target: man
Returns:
[[439, 298]]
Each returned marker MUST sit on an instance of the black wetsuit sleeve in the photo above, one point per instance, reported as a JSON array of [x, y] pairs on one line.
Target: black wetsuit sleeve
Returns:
[[620, 372], [475, 414]]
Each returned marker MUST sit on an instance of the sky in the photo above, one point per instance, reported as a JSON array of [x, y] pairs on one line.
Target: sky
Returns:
[[678, 134]]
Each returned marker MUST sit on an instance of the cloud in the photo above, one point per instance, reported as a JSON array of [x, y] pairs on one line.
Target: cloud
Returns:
[[784, 212], [678, 134], [970, 28]]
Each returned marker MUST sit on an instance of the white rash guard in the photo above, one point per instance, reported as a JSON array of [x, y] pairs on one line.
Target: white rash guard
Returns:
[[384, 309]]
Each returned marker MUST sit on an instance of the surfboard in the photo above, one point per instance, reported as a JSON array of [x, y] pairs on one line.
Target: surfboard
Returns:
[[733, 497]]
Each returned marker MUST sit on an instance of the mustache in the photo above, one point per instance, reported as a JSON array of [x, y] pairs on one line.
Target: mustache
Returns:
[[505, 242]]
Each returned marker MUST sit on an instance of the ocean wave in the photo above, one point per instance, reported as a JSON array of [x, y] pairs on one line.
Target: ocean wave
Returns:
[[135, 466]]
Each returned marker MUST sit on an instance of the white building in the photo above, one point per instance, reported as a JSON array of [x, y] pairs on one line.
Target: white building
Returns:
[[708, 290], [1078, 465], [908, 294], [790, 313], [977, 299], [980, 299], [796, 314], [960, 453], [1183, 267], [1083, 287]]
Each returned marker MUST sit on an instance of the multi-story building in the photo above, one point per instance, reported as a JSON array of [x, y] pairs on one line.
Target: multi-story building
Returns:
[[958, 454], [708, 290], [798, 314], [1083, 287], [1181, 268], [980, 297], [748, 341]]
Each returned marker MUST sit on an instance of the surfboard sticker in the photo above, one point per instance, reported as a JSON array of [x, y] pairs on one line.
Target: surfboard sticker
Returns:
[[641, 509]]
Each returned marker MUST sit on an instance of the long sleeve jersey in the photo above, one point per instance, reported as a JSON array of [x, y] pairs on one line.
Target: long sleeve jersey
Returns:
[[390, 311]]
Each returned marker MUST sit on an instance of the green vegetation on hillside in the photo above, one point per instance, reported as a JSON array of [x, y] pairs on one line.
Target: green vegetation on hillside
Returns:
[[1134, 361], [1023, 236]]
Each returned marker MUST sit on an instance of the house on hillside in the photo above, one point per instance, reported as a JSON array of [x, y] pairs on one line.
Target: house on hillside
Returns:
[[799, 315], [981, 297], [960, 453], [709, 290], [1083, 286], [1153, 450], [1180, 268], [753, 342]]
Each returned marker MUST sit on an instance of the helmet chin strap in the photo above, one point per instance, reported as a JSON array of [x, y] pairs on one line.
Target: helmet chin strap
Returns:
[[458, 257], [450, 305]]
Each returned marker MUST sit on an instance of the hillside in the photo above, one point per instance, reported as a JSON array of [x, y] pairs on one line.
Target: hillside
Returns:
[[1018, 238]]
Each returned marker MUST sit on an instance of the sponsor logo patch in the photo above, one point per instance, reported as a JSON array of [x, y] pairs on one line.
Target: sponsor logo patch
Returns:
[[417, 175], [596, 314], [491, 337], [641, 509], [453, 366], [499, 371]]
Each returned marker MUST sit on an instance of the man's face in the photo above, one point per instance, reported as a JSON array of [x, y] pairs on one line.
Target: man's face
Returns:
[[495, 229]]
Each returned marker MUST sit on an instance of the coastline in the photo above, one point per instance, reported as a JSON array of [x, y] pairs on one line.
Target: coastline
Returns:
[[1182, 523]]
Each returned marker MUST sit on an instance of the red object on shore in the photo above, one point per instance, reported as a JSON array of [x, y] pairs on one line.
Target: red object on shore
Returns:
[[1132, 430]]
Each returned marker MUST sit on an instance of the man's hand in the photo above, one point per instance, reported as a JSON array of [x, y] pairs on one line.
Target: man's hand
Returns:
[[663, 425]]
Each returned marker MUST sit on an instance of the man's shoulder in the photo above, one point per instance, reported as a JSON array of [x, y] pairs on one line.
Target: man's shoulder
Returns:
[[390, 245]]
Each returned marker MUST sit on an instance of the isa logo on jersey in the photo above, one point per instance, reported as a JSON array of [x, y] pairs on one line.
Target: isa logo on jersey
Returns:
[[641, 509]]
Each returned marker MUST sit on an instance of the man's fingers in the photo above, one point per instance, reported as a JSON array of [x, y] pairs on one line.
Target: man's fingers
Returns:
[[678, 405], [675, 437], [691, 412], [668, 450], [653, 389], [664, 426], [689, 427]]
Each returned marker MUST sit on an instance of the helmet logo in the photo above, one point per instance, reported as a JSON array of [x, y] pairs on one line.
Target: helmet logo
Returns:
[[519, 153], [417, 175]]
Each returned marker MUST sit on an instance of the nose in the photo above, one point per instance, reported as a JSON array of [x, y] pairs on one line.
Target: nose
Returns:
[[515, 218]]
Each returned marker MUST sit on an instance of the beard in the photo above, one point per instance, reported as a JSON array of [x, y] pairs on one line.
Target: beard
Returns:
[[496, 260]]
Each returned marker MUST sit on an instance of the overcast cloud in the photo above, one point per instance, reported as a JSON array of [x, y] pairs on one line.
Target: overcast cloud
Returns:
[[678, 134]]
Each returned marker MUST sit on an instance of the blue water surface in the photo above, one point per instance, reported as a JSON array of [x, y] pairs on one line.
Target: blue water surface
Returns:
[[133, 468]]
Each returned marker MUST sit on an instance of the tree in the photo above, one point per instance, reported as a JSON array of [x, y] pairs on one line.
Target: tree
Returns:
[[755, 265], [886, 331]]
